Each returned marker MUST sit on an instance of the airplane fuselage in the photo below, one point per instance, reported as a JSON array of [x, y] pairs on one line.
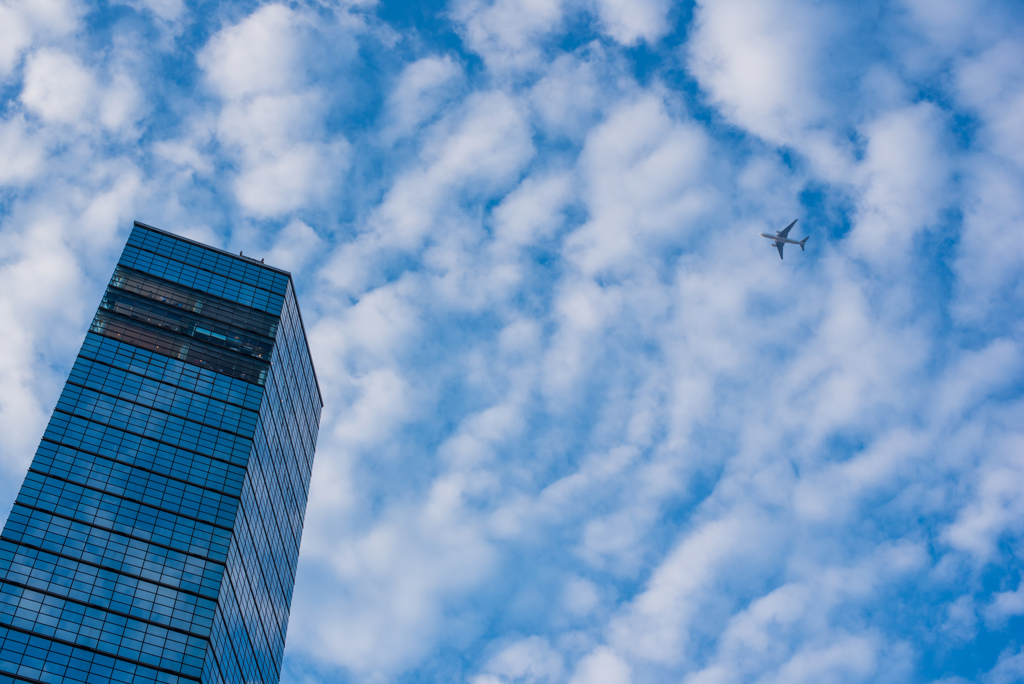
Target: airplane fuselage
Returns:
[[778, 239]]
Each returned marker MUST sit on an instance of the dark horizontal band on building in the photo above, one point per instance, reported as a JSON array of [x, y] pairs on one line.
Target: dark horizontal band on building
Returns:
[[183, 298], [209, 330], [184, 348]]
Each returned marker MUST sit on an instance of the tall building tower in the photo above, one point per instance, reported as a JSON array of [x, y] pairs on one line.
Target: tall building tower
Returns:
[[156, 535]]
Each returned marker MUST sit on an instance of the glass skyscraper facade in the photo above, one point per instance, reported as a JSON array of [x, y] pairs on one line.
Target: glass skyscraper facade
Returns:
[[156, 535]]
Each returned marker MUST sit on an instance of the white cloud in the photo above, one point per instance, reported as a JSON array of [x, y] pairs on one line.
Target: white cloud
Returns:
[[376, 327], [43, 293], [422, 89], [1005, 604], [529, 661], [473, 152], [423, 213], [906, 179], [656, 624], [25, 22], [393, 616], [58, 87], [295, 246], [582, 311], [835, 492], [109, 210], [993, 84], [508, 34], [581, 596], [630, 22], [1009, 668], [758, 61], [186, 152], [976, 376], [602, 666], [259, 55], [275, 181], [24, 153], [166, 10], [950, 23], [989, 259], [851, 659], [990, 254], [961, 619], [798, 631], [997, 504], [573, 90], [272, 118], [646, 182], [478, 434], [121, 103], [533, 211]]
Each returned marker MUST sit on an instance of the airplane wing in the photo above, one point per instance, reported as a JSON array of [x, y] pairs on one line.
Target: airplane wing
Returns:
[[785, 231], [780, 245]]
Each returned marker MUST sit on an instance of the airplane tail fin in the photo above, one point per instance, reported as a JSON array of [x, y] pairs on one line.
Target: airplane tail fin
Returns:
[[802, 242]]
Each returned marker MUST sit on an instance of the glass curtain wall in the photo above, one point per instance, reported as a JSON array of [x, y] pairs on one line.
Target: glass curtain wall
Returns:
[[156, 535]]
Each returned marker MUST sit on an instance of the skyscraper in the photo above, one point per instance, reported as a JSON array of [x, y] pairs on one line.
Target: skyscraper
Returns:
[[156, 535]]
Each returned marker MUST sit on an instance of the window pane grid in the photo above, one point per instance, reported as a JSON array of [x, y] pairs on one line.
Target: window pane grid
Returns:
[[102, 630], [112, 591], [147, 560], [172, 371], [132, 483], [120, 515], [208, 259], [164, 397], [207, 281], [159, 524], [38, 658], [104, 439], [142, 420], [179, 465]]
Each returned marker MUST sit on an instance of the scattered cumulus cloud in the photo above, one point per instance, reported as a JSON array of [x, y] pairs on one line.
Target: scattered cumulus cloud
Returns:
[[530, 661], [581, 424], [758, 62], [421, 91], [58, 88], [272, 118], [508, 34], [632, 22], [26, 23], [165, 10]]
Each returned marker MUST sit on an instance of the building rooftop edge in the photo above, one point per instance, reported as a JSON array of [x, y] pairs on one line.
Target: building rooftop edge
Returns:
[[248, 260]]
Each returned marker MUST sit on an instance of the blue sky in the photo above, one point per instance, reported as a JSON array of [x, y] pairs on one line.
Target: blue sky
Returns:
[[582, 425]]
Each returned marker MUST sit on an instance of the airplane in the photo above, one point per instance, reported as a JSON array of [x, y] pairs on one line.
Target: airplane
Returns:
[[782, 238]]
